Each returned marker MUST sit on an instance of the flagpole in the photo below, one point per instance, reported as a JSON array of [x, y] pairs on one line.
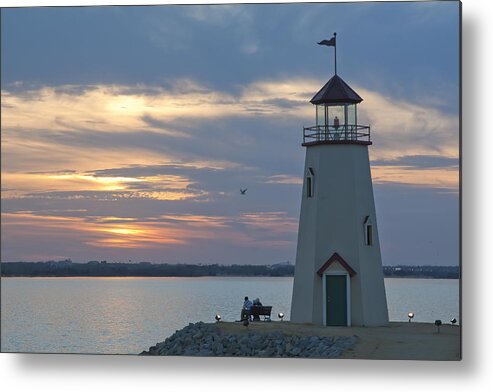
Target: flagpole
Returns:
[[331, 42], [335, 54]]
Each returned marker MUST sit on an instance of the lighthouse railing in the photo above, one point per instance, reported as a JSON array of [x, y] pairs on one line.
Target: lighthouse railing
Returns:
[[343, 133]]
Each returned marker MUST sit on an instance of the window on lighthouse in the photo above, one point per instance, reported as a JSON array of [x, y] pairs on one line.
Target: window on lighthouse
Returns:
[[369, 237], [368, 229], [309, 183], [309, 186]]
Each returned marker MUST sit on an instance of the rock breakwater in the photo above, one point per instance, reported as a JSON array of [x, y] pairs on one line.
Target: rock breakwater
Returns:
[[207, 340]]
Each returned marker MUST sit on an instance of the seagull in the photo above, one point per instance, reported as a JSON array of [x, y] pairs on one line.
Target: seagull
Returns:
[[243, 191]]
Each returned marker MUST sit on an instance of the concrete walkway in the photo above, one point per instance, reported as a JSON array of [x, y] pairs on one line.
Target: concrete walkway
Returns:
[[409, 341]]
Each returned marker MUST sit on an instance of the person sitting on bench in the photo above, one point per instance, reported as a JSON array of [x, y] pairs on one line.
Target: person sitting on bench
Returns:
[[256, 303], [247, 309]]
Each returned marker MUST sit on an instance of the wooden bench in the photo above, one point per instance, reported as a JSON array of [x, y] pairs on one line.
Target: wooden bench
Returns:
[[257, 311]]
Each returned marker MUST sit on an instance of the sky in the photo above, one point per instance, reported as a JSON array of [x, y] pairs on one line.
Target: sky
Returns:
[[127, 132]]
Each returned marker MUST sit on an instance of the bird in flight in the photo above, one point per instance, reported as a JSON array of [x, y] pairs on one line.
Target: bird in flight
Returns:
[[243, 191]]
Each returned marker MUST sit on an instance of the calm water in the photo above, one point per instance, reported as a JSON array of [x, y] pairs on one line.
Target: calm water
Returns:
[[127, 315]]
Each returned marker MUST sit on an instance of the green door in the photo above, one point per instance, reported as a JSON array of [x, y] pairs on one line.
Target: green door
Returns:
[[336, 300]]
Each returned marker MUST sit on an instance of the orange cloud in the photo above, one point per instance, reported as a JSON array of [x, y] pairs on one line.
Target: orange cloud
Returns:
[[117, 235], [274, 222], [284, 179], [159, 187], [437, 178], [399, 128], [163, 232]]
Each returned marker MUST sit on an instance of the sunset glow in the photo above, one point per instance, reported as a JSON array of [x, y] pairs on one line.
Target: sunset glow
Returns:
[[140, 152], [125, 112]]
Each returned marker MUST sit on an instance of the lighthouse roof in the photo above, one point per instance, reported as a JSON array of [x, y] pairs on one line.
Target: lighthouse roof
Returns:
[[336, 91], [336, 258]]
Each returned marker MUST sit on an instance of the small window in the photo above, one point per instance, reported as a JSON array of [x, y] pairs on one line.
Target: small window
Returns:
[[369, 238], [309, 183], [368, 231]]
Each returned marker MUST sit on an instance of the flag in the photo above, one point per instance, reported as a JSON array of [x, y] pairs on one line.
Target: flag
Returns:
[[330, 42]]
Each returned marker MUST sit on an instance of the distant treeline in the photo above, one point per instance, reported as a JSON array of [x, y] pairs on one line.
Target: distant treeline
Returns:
[[422, 271], [103, 268]]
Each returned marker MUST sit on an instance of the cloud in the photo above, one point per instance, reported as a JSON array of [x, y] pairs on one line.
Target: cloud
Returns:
[[187, 232], [219, 15], [284, 179], [422, 170], [113, 109], [159, 169], [447, 178], [401, 128], [118, 122], [99, 184], [420, 162], [272, 222]]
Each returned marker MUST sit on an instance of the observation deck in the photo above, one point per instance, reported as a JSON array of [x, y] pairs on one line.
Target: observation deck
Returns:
[[329, 134], [336, 116]]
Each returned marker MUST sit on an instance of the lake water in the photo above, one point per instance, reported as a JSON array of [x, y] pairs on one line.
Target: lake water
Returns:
[[128, 315]]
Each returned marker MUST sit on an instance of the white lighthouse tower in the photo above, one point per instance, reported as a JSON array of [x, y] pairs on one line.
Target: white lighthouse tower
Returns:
[[338, 274]]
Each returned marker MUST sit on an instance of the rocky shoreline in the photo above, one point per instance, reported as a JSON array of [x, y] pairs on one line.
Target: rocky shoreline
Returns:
[[207, 340]]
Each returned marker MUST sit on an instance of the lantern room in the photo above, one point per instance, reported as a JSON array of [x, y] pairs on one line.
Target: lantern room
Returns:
[[336, 116]]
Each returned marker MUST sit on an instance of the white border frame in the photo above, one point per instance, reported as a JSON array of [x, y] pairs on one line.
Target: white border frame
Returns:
[[348, 296]]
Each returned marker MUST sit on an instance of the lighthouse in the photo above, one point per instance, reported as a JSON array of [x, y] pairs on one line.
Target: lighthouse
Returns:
[[338, 277]]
